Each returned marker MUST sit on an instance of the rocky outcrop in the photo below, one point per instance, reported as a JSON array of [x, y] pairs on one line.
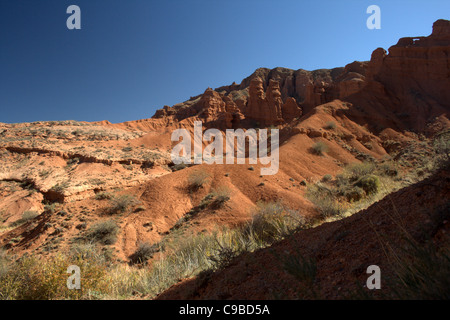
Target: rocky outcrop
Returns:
[[412, 81], [219, 109], [269, 97], [264, 108], [408, 86]]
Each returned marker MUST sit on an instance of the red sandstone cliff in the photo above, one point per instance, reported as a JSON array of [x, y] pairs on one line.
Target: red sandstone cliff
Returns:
[[405, 89]]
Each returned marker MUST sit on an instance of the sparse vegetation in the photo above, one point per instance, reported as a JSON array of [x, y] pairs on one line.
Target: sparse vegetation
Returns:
[[319, 148], [326, 200], [60, 187], [31, 278], [121, 203], [369, 183], [356, 183], [103, 195], [197, 179], [104, 232], [26, 217], [271, 222], [221, 195], [330, 125], [144, 252], [441, 144]]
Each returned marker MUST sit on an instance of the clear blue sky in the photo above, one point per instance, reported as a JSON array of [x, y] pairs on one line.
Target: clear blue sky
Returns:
[[131, 57]]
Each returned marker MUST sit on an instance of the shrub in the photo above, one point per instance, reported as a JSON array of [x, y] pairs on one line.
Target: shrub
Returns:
[[271, 222], [319, 148], [60, 187], [5, 263], [354, 194], [50, 207], [103, 195], [325, 199], [441, 144], [197, 179], [88, 251], [33, 278], [355, 171], [369, 183], [330, 125], [144, 252], [26, 217], [127, 149], [179, 166], [388, 169], [120, 204], [221, 195], [104, 232], [327, 177], [73, 161], [29, 215]]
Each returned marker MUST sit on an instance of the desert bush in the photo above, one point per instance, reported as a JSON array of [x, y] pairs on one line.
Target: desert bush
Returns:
[[271, 222], [388, 169], [369, 183], [104, 232], [179, 166], [88, 251], [120, 204], [50, 207], [223, 256], [60, 187], [353, 194], [73, 161], [327, 177], [29, 215], [144, 252], [221, 195], [197, 179], [103, 196], [330, 125], [33, 278], [5, 263], [441, 144], [26, 217], [355, 171], [325, 199], [319, 148]]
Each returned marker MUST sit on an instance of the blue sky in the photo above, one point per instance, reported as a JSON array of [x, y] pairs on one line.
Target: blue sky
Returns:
[[132, 57]]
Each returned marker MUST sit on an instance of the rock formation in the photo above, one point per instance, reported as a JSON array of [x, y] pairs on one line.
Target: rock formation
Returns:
[[408, 86]]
